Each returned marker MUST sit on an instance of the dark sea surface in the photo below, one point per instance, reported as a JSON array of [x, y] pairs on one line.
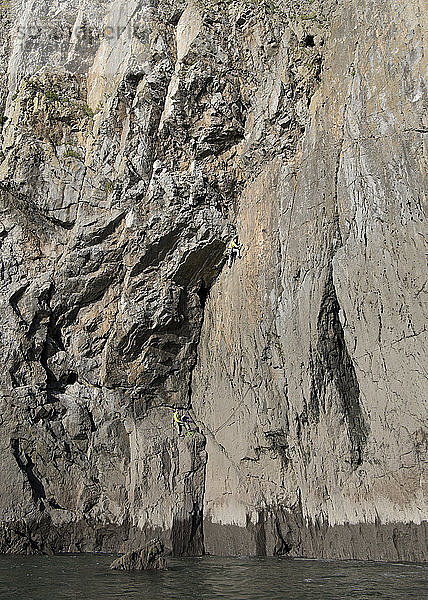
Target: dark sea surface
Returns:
[[88, 577]]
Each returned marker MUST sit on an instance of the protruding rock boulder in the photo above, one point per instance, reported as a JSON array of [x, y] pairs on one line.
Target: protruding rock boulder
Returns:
[[152, 556]]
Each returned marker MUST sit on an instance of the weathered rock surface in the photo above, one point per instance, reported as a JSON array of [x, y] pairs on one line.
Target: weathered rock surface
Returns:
[[316, 408], [137, 138], [152, 557]]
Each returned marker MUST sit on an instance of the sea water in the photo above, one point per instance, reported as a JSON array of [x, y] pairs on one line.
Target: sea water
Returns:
[[88, 577]]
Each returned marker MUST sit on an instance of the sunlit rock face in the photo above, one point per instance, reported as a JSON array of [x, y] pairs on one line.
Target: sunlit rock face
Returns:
[[137, 139]]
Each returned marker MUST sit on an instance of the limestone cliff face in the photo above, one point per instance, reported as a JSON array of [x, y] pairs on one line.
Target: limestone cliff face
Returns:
[[137, 138]]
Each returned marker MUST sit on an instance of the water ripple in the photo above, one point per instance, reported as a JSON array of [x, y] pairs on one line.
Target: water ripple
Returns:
[[88, 577]]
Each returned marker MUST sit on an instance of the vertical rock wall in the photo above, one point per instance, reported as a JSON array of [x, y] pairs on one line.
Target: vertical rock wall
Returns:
[[311, 378], [136, 139], [109, 240]]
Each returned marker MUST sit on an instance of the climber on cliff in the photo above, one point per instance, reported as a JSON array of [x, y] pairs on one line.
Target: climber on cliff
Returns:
[[233, 251], [181, 421]]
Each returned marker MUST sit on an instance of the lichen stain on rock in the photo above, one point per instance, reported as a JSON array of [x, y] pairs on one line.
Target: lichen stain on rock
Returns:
[[130, 157]]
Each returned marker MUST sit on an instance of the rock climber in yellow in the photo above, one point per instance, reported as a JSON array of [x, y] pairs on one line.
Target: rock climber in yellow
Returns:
[[233, 250], [180, 421]]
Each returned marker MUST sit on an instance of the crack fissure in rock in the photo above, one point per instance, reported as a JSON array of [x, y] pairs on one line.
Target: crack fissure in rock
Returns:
[[333, 374], [26, 465]]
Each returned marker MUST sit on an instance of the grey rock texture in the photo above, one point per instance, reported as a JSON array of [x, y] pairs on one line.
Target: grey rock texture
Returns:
[[317, 403], [151, 557], [137, 138]]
